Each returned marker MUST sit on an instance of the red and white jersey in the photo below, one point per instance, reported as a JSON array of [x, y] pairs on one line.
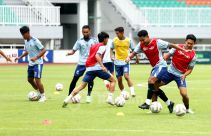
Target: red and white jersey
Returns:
[[182, 60], [91, 62], [153, 51]]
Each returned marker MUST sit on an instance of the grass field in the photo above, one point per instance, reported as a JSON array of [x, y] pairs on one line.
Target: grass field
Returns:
[[20, 117]]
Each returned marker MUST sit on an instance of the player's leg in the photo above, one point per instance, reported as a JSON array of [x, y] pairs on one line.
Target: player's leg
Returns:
[[183, 92], [151, 88], [38, 74], [107, 76], [126, 70], [75, 91], [110, 67], [119, 74], [89, 77], [79, 71], [90, 87], [31, 80]]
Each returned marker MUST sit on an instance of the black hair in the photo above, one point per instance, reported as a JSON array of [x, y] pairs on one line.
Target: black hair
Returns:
[[86, 27], [192, 37], [119, 29], [24, 29], [142, 33], [101, 36]]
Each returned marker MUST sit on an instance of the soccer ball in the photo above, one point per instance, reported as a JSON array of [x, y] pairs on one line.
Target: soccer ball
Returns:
[[76, 99], [180, 110], [120, 101], [155, 107], [33, 96], [59, 87], [125, 95]]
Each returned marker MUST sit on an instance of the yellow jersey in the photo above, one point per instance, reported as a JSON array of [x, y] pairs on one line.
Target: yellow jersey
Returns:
[[121, 48]]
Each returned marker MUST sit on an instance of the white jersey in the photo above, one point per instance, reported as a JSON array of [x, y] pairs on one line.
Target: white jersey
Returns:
[[107, 56]]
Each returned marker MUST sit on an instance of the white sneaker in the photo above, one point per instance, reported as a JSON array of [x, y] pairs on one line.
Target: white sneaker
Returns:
[[42, 99], [132, 93], [189, 111], [88, 99], [110, 100]]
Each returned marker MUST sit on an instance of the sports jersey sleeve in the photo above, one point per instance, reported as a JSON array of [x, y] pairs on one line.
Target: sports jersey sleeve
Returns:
[[193, 62], [39, 44], [162, 44], [76, 46], [131, 45], [112, 45], [101, 50], [137, 48], [172, 51]]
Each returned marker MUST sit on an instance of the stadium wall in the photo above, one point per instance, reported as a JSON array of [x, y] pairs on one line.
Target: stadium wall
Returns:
[[59, 56]]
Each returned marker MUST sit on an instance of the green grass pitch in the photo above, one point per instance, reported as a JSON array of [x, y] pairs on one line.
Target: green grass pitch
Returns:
[[20, 117]]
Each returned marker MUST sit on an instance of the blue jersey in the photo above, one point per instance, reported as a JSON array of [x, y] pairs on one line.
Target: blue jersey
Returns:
[[83, 46], [34, 47]]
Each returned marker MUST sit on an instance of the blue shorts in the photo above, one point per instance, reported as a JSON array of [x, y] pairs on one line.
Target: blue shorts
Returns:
[[121, 69], [90, 75], [158, 71], [109, 66], [168, 77], [35, 71], [79, 71]]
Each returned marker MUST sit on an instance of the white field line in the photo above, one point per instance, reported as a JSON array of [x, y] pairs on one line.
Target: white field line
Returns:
[[112, 130]]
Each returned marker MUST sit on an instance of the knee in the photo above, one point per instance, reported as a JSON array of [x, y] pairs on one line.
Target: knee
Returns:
[[127, 78], [184, 95], [151, 81], [30, 80]]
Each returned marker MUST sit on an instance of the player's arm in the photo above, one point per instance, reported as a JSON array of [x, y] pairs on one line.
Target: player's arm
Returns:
[[23, 55], [134, 53], [190, 68], [176, 46], [7, 58], [98, 57], [42, 52], [71, 52], [111, 51], [167, 56], [75, 48]]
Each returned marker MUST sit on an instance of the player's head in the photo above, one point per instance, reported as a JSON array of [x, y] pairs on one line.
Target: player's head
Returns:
[[86, 31], [25, 32], [119, 32], [103, 37], [144, 37], [190, 41]]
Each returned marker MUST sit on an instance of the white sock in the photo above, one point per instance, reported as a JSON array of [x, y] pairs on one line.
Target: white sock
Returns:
[[42, 94], [168, 102], [148, 101], [106, 82], [132, 89], [66, 100], [110, 94]]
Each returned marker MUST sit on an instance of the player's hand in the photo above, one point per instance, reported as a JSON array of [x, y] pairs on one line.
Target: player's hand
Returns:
[[127, 60], [16, 59], [68, 54], [34, 59], [183, 77], [104, 69], [112, 59], [8, 59]]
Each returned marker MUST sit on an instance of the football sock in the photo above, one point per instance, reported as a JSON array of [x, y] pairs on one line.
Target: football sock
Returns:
[[72, 84], [150, 91], [90, 86], [162, 95]]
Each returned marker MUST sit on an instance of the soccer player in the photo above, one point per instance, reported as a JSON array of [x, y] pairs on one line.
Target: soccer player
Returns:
[[82, 45], [108, 62], [95, 68], [181, 66], [122, 45], [152, 48], [7, 58], [35, 50]]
